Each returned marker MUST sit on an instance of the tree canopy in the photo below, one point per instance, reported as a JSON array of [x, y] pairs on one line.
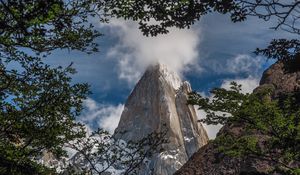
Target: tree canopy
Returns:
[[39, 103]]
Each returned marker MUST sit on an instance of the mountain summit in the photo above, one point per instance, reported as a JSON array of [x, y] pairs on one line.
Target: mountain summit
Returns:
[[158, 99]]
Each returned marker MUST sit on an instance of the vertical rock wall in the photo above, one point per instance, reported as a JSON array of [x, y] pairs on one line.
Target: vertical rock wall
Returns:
[[159, 98]]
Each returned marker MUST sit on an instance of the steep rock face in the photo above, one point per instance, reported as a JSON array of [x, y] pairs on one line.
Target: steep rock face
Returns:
[[160, 98], [208, 161], [282, 78]]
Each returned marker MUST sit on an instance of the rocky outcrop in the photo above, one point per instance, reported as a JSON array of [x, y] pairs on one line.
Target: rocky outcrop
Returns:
[[208, 161], [282, 78], [160, 98]]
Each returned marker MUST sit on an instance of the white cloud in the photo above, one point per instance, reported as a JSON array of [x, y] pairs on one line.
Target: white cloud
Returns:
[[111, 120], [135, 52], [238, 64], [248, 84], [106, 117], [244, 63], [90, 104]]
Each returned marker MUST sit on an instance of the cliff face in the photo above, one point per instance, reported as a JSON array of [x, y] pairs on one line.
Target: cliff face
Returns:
[[208, 161], [160, 98], [282, 78]]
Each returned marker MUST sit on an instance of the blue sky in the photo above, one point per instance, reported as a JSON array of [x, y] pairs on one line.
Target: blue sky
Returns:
[[212, 53]]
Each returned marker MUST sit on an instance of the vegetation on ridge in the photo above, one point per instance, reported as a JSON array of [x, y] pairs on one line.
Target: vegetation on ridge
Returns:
[[269, 129]]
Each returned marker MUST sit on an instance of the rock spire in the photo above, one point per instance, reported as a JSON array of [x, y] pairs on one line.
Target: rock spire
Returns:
[[160, 98]]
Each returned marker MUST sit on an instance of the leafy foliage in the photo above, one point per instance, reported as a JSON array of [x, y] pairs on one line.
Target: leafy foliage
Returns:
[[38, 103], [13, 163], [170, 13], [184, 13], [270, 128], [38, 110], [47, 25], [281, 49]]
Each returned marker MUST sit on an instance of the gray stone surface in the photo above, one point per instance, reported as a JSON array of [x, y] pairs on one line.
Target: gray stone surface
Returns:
[[159, 98], [284, 78]]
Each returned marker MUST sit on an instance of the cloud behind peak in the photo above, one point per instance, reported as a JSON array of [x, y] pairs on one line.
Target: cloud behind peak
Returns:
[[135, 52]]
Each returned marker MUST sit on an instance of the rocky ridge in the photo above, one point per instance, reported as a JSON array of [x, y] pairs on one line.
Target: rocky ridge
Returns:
[[158, 99]]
